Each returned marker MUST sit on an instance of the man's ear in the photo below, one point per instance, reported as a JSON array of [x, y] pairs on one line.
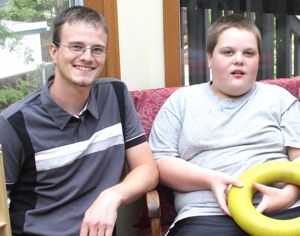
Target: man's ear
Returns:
[[53, 52], [209, 56]]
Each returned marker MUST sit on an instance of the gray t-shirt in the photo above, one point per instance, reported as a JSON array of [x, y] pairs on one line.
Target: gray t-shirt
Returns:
[[229, 136]]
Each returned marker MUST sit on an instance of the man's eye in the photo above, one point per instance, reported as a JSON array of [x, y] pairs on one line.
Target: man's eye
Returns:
[[98, 50], [227, 53], [76, 48], [249, 53]]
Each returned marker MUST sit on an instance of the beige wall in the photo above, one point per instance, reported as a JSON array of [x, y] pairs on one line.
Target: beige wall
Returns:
[[141, 43], [142, 66]]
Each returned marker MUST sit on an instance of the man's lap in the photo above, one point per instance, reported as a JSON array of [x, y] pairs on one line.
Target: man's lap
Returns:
[[220, 225]]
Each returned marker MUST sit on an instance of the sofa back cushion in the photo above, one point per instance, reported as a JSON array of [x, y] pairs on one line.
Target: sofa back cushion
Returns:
[[148, 102], [290, 84]]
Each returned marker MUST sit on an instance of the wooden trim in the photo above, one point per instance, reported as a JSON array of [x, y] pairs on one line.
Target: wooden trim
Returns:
[[5, 228], [171, 16], [110, 12]]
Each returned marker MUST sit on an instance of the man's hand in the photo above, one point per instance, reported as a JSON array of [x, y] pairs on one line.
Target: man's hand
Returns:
[[276, 199], [219, 186], [100, 218]]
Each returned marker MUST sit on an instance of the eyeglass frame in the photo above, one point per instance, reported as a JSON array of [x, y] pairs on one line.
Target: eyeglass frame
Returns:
[[83, 49]]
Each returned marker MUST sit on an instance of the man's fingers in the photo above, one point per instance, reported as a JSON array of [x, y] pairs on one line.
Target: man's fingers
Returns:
[[102, 232], [109, 231], [264, 189], [259, 187], [237, 183], [222, 201], [261, 207], [84, 231]]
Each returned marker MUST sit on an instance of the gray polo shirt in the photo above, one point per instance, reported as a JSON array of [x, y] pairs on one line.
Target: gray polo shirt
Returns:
[[57, 164]]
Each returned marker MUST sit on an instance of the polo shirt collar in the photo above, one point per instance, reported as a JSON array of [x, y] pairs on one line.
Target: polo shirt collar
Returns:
[[59, 115], [92, 105]]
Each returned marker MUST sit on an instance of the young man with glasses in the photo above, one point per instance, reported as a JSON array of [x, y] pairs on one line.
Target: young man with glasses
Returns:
[[64, 146]]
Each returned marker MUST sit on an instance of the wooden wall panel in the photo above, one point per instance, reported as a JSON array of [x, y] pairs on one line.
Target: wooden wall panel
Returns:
[[171, 16], [109, 10]]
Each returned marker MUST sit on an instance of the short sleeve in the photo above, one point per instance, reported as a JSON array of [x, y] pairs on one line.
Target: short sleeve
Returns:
[[290, 125], [12, 151], [134, 131]]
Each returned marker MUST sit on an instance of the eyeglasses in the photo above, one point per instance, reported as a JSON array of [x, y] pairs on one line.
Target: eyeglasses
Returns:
[[79, 49]]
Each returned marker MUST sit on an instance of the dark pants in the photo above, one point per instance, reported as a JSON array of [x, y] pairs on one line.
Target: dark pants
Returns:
[[114, 233], [220, 225]]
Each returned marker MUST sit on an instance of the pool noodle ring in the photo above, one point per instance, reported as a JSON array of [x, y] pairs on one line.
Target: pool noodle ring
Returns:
[[240, 199]]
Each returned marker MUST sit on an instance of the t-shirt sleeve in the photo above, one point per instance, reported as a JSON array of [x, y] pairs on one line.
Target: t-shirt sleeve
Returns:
[[290, 125], [12, 151], [134, 132], [165, 132]]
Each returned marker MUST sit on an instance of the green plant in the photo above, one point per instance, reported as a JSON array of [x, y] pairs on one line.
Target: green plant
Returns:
[[13, 92], [17, 88]]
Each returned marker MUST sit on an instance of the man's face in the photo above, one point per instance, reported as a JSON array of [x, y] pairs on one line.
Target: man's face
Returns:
[[76, 68], [234, 63]]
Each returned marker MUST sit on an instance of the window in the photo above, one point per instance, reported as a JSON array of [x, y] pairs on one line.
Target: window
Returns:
[[189, 20], [25, 33]]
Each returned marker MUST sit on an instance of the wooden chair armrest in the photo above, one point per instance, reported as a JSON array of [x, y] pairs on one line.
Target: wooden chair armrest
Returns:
[[154, 212], [5, 229]]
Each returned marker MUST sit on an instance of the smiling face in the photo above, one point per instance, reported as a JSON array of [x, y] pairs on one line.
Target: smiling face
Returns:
[[71, 68], [234, 63]]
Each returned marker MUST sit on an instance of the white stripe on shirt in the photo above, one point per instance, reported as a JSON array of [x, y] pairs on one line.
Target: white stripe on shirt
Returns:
[[63, 155]]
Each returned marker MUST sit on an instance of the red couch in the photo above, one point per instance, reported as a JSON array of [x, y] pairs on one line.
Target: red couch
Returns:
[[148, 103]]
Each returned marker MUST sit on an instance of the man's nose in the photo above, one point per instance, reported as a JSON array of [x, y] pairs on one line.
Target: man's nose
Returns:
[[238, 58], [87, 54]]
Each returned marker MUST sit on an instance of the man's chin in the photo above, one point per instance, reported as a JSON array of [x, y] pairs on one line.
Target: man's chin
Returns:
[[85, 79], [84, 82]]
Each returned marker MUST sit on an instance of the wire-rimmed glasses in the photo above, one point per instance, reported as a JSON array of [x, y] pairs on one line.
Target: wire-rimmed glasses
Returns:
[[80, 49]]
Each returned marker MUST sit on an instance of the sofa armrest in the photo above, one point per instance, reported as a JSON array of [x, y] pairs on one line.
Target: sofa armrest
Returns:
[[154, 212]]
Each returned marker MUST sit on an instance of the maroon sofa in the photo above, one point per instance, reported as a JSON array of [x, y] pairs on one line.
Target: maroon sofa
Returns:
[[148, 103]]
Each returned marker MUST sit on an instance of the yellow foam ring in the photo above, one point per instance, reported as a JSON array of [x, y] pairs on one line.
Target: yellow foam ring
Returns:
[[240, 199]]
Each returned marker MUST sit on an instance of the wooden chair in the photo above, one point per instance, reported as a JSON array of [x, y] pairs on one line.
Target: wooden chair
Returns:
[[5, 229], [154, 212]]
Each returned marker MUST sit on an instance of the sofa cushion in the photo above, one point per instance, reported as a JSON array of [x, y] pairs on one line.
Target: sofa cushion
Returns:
[[148, 102], [290, 84]]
